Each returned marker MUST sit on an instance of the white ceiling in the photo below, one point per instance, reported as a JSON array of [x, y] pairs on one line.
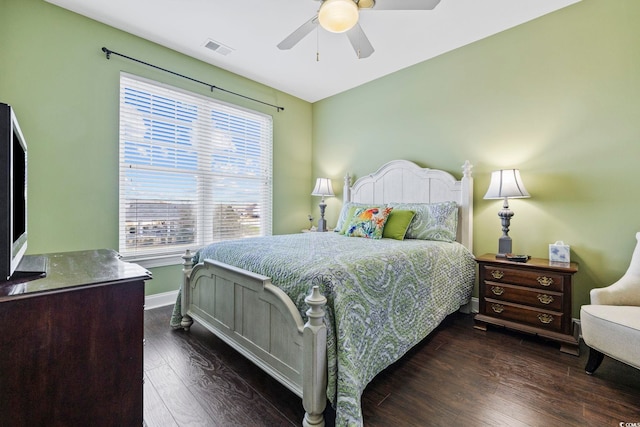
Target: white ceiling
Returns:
[[253, 28]]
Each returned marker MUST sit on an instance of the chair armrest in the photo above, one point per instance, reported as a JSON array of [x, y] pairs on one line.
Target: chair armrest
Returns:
[[625, 291]]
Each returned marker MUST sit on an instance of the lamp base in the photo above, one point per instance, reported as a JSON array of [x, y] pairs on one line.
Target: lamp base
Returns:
[[504, 246], [322, 223]]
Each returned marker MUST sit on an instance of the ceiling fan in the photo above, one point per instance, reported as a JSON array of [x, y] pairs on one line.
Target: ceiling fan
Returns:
[[341, 16]]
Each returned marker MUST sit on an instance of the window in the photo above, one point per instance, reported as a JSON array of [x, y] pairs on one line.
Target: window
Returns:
[[193, 171]]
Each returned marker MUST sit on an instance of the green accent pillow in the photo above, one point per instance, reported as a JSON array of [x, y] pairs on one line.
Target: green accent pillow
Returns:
[[397, 224], [368, 222]]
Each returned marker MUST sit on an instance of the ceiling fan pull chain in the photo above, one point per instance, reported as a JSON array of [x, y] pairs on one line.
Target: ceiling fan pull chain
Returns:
[[318, 44]]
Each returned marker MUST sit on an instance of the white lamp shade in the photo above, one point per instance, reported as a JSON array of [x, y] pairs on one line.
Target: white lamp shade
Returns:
[[338, 16], [506, 183], [323, 188]]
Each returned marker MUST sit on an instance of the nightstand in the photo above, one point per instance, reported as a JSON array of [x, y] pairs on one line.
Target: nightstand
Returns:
[[532, 297]]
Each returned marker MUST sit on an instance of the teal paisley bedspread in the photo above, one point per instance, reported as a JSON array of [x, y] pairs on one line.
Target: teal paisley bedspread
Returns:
[[383, 296]]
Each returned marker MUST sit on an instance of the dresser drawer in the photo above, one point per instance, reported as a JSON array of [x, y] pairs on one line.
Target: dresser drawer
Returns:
[[530, 277], [545, 299], [526, 315]]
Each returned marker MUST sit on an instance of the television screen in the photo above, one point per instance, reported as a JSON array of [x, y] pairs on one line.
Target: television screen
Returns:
[[19, 188], [13, 192]]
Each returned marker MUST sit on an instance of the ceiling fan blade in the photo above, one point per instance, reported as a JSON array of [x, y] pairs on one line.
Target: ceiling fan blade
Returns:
[[360, 42], [292, 39], [405, 4]]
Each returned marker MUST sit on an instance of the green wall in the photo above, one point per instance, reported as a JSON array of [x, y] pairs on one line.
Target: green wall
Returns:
[[66, 94], [558, 98]]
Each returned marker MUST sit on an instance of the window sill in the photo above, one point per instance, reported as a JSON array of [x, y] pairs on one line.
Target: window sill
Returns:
[[151, 261]]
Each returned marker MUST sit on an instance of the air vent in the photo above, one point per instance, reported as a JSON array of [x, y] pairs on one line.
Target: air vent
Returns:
[[218, 47]]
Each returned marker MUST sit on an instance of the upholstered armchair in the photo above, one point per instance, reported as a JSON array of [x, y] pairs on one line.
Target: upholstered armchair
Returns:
[[611, 323]]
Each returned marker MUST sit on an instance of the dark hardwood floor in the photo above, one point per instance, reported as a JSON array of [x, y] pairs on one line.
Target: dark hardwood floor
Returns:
[[458, 376]]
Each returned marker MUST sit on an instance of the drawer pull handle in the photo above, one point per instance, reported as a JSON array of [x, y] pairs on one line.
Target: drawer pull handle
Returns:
[[545, 281], [497, 274], [498, 308], [545, 299], [545, 318], [497, 290]]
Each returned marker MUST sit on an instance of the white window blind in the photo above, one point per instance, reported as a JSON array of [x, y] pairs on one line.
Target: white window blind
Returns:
[[193, 170]]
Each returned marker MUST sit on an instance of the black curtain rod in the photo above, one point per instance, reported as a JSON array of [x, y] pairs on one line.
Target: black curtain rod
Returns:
[[109, 52]]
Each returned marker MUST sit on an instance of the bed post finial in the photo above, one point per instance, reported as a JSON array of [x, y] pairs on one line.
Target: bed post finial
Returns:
[[346, 191], [466, 169], [314, 362], [187, 260]]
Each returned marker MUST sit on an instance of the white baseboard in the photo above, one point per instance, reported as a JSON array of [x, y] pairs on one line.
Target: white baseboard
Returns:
[[470, 307], [475, 305], [160, 300]]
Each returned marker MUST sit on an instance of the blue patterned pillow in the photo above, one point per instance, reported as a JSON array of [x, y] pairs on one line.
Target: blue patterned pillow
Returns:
[[433, 221], [368, 222]]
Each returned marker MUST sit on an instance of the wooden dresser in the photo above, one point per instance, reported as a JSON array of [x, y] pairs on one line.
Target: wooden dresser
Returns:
[[532, 297], [72, 343]]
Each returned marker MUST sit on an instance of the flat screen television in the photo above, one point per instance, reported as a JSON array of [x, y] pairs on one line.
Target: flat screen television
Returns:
[[13, 193]]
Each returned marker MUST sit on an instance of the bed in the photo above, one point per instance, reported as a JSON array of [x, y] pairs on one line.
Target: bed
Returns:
[[323, 313]]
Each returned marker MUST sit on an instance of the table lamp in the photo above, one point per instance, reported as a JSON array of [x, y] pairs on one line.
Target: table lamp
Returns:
[[324, 189], [505, 184]]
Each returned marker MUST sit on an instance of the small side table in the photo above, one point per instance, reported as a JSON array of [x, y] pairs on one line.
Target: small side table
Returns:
[[532, 297]]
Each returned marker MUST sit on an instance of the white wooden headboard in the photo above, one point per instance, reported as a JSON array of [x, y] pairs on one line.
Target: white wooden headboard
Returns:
[[405, 182]]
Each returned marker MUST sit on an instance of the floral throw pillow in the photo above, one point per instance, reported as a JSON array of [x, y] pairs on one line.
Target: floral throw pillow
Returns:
[[346, 214], [368, 222]]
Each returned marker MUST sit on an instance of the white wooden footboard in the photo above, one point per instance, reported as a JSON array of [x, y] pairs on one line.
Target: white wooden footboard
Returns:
[[261, 322]]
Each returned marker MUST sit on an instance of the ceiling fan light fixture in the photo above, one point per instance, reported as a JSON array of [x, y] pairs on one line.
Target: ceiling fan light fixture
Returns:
[[366, 4], [338, 16]]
